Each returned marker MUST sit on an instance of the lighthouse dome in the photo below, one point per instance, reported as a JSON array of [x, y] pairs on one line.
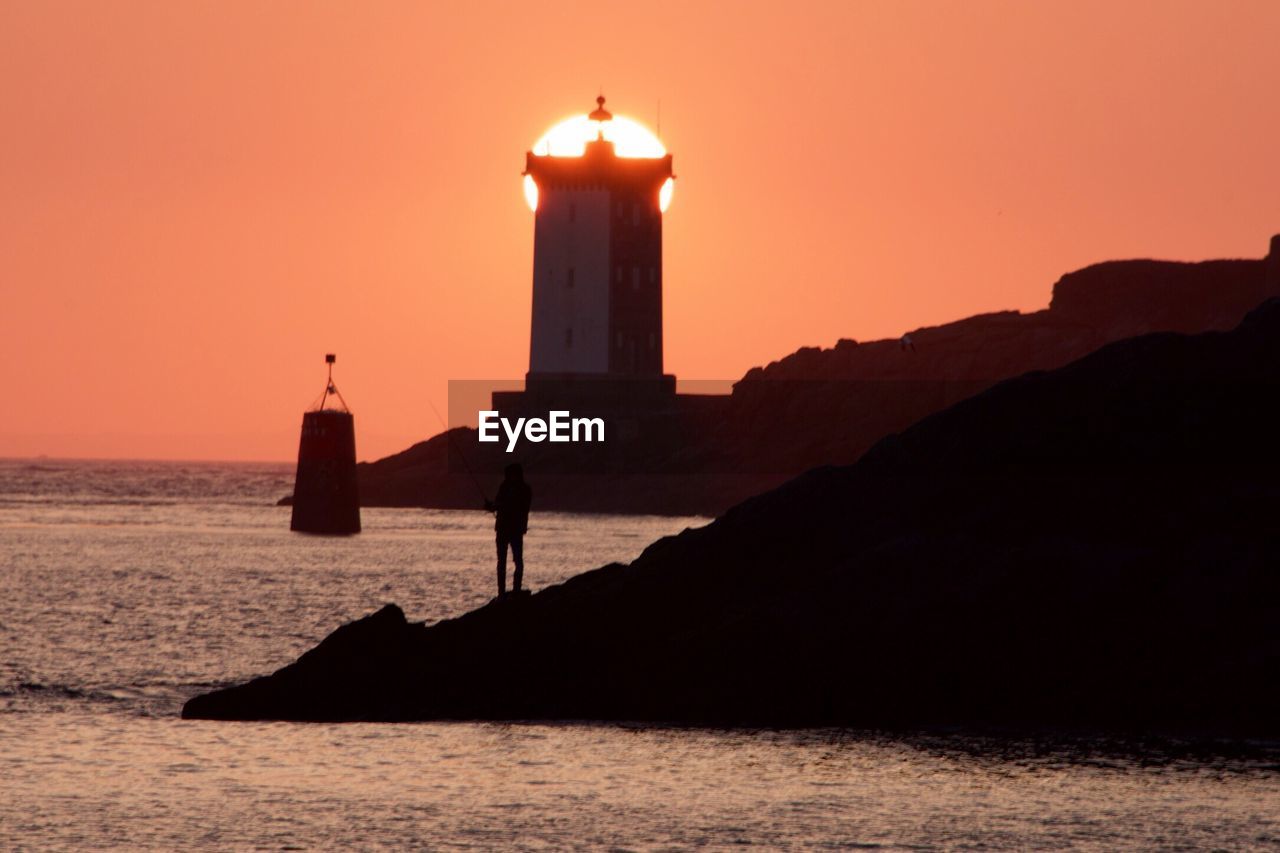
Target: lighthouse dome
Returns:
[[569, 137], [628, 138]]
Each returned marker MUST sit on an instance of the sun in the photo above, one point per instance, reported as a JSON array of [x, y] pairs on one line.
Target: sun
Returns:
[[569, 138]]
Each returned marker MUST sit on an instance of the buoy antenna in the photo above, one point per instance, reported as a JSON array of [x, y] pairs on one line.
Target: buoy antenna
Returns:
[[330, 389]]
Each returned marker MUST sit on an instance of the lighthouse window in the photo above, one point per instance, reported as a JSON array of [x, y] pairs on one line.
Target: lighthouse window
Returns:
[[568, 338], [568, 280]]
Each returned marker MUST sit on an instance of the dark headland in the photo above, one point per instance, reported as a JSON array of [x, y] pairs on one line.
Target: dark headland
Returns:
[[833, 404], [1092, 545]]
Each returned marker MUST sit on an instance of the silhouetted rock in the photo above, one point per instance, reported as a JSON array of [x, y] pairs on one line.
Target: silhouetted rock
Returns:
[[1094, 545], [829, 406], [1122, 299]]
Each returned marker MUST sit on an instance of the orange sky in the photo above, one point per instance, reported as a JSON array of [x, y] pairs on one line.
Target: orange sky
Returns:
[[198, 200]]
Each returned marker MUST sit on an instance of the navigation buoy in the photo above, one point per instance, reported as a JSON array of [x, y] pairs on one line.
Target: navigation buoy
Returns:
[[325, 498]]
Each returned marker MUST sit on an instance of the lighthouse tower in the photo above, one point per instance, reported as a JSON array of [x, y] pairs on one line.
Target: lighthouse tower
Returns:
[[597, 263]]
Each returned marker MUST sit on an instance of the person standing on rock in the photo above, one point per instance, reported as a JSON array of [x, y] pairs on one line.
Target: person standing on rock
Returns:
[[511, 509]]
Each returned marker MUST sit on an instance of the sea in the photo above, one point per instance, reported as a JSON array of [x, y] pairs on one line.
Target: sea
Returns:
[[129, 587]]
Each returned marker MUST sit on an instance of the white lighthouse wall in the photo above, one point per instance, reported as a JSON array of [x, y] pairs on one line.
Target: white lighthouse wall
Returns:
[[570, 332]]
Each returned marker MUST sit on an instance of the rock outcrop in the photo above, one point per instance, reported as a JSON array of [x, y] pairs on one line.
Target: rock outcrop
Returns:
[[829, 406], [1094, 545]]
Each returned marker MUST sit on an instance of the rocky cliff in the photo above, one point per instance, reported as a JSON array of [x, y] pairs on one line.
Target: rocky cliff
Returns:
[[828, 406], [1094, 545]]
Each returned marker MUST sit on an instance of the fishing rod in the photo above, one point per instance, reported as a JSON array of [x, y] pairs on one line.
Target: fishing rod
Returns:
[[448, 434]]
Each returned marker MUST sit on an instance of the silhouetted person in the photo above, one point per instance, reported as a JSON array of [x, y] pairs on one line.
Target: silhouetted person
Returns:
[[511, 506]]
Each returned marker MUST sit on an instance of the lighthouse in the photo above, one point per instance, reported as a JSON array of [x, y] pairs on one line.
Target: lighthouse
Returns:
[[597, 255]]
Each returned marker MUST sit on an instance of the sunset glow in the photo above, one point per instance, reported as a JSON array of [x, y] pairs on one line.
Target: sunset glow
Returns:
[[256, 185], [569, 138]]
